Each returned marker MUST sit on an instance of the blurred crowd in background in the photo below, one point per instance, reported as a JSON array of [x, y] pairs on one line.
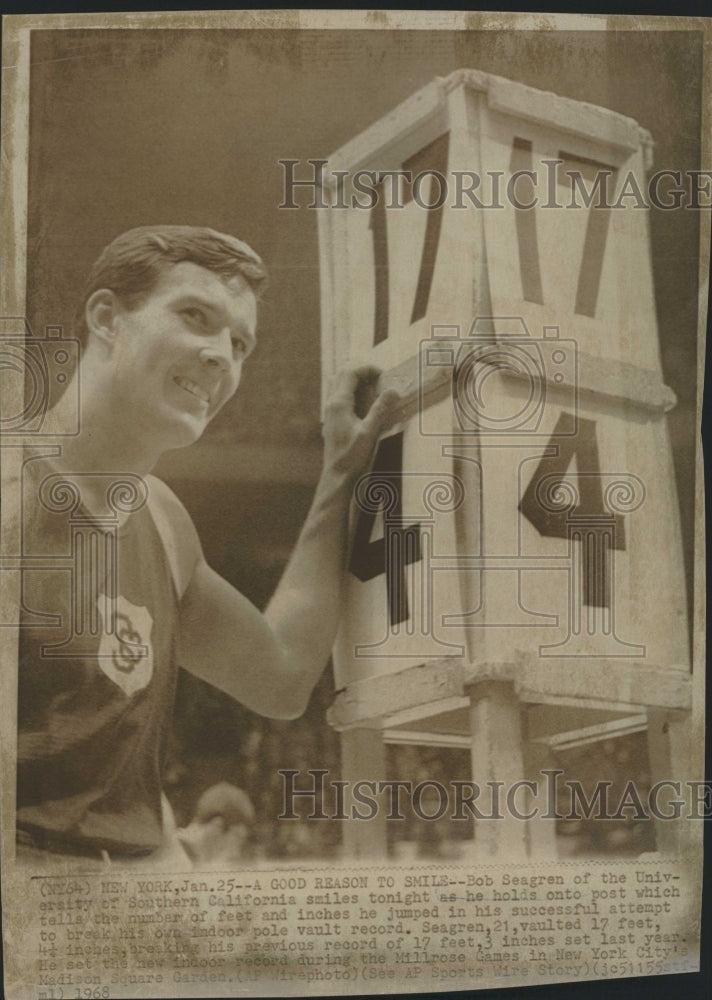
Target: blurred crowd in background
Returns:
[[223, 780]]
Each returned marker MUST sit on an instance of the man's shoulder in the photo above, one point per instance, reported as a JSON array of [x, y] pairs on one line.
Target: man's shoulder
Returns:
[[162, 498], [175, 527]]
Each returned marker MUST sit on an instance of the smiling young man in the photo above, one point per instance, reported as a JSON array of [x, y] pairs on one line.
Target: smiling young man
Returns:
[[167, 321]]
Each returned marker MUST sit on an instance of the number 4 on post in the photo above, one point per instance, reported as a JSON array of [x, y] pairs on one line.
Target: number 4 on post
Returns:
[[400, 544], [554, 519]]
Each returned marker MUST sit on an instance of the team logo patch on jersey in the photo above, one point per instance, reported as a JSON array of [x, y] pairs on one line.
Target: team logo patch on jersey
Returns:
[[125, 650]]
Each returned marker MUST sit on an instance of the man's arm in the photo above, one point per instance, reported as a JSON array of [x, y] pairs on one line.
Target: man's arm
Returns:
[[271, 662]]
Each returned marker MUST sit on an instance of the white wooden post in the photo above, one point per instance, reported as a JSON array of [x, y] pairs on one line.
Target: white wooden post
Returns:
[[522, 510]]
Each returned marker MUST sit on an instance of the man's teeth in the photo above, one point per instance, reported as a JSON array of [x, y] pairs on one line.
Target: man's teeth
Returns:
[[193, 387]]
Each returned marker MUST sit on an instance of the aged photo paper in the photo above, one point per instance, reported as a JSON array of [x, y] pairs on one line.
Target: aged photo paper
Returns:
[[352, 539]]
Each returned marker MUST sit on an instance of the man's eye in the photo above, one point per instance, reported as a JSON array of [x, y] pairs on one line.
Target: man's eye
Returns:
[[239, 348], [197, 315]]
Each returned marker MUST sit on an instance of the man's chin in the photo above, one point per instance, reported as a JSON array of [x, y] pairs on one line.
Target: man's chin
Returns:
[[185, 432]]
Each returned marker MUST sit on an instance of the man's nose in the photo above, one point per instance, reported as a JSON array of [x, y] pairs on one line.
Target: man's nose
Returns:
[[218, 352]]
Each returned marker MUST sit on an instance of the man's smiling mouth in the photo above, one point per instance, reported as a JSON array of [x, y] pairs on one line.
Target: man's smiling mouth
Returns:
[[193, 388]]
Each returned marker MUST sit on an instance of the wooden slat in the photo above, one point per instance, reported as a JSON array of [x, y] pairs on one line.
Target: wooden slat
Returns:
[[562, 113], [371, 698], [593, 734], [607, 679], [449, 706], [610, 682], [421, 386], [399, 132], [506, 96], [425, 739]]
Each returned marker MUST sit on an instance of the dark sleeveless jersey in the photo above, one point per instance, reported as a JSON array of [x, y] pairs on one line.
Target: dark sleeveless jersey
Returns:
[[97, 676]]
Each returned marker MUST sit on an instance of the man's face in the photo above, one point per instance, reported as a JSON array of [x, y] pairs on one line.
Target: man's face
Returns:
[[178, 357]]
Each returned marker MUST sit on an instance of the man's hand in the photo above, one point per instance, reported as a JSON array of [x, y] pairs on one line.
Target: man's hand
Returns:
[[354, 416], [271, 663]]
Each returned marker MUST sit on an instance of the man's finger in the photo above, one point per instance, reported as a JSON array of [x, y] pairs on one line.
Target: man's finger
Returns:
[[347, 380], [355, 388], [381, 409]]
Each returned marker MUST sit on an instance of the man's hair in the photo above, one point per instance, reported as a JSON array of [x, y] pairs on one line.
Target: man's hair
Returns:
[[132, 264]]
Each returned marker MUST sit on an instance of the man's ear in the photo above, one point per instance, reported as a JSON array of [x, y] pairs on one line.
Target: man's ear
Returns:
[[100, 313]]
